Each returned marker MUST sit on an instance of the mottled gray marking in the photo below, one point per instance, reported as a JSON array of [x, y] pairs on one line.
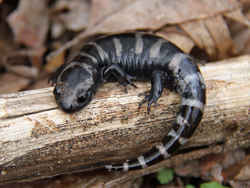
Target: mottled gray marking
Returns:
[[125, 167], [103, 55], [172, 133], [174, 64], [190, 78], [181, 121], [155, 49], [139, 43], [142, 161], [71, 95], [201, 79], [173, 140], [182, 140], [89, 56], [195, 76], [192, 102], [163, 151], [72, 64], [118, 47]]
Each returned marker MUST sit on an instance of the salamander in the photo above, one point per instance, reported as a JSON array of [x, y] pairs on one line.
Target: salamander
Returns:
[[136, 56]]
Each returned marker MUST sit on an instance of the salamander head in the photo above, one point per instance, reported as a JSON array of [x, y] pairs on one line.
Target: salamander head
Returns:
[[75, 86]]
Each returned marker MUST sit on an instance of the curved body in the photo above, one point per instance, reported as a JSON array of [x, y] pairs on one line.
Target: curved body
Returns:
[[136, 56]]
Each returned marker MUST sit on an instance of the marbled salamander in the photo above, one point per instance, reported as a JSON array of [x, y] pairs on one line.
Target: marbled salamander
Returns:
[[136, 56]]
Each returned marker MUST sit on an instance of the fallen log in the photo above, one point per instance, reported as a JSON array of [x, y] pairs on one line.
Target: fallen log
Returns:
[[38, 140]]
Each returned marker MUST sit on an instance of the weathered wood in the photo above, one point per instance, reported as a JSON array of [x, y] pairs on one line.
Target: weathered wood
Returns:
[[38, 140]]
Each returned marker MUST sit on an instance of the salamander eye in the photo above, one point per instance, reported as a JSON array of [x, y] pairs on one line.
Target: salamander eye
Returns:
[[56, 92], [83, 97]]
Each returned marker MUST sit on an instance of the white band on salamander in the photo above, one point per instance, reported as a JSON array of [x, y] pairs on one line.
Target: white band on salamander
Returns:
[[163, 151], [118, 46], [155, 48], [174, 64], [138, 43], [109, 167], [142, 161], [191, 77], [172, 133], [182, 140], [125, 167], [181, 121], [193, 103], [89, 56], [103, 55]]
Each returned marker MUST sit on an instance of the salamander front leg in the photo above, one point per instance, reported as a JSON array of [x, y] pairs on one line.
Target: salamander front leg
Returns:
[[157, 83], [122, 77]]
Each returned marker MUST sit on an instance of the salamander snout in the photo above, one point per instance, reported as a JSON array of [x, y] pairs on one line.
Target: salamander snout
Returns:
[[71, 101], [74, 88]]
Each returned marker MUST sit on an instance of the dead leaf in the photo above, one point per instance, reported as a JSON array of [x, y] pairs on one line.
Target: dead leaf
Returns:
[[189, 169], [74, 15], [241, 38], [239, 184], [243, 173], [197, 31], [209, 162], [18, 56], [154, 14], [29, 22], [54, 63], [238, 16], [178, 37], [219, 32], [23, 71], [11, 83], [108, 7]]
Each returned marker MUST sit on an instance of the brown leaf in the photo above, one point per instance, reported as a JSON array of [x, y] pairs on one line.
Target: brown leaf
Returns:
[[239, 184], [232, 164], [178, 37], [191, 168], [108, 7], [30, 22], [210, 162], [197, 30], [34, 55], [12, 83], [238, 16], [211, 34], [73, 15], [241, 38], [23, 71], [154, 14], [219, 32], [222, 167], [244, 171], [54, 63]]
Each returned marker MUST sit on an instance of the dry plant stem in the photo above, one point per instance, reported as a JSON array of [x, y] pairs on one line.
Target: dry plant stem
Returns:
[[38, 140]]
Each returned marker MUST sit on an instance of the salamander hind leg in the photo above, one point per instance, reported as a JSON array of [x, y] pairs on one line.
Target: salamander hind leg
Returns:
[[122, 77], [157, 85]]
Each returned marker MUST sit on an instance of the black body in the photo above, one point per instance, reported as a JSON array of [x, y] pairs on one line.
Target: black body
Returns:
[[136, 56]]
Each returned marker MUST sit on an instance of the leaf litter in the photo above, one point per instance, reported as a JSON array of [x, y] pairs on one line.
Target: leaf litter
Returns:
[[35, 37]]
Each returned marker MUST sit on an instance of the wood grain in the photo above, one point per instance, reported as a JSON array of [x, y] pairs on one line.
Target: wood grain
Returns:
[[38, 140]]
